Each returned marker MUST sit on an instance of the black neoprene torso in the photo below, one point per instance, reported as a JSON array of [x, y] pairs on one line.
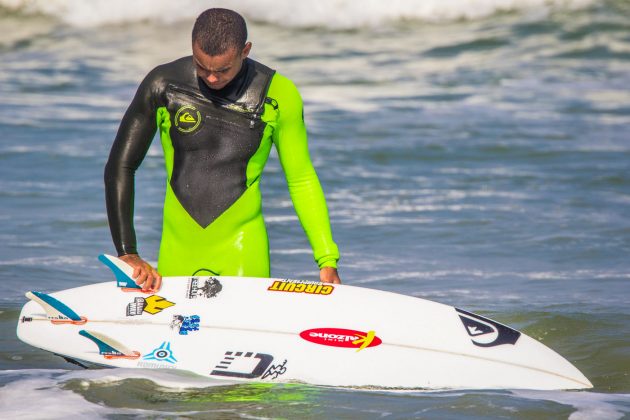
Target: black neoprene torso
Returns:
[[213, 132]]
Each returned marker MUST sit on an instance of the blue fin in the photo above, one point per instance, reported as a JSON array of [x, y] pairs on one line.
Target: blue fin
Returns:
[[122, 278], [106, 345], [56, 306], [103, 348]]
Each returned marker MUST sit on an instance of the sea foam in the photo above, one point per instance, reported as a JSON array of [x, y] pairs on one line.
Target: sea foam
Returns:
[[336, 14]]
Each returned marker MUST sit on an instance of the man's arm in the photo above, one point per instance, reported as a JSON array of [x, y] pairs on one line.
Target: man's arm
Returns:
[[305, 189], [132, 142]]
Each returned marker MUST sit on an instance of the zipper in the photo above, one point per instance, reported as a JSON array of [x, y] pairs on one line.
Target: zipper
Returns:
[[251, 116]]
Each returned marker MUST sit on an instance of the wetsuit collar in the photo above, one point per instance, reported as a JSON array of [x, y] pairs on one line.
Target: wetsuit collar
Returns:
[[237, 86]]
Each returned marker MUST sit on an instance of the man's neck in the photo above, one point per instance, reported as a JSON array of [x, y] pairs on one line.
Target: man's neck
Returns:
[[235, 89]]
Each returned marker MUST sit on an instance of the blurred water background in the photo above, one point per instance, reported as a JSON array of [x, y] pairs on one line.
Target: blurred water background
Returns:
[[473, 153]]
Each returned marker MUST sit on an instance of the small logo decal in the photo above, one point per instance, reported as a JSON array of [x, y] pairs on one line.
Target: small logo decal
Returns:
[[184, 324], [187, 119], [243, 364], [161, 354], [297, 286], [339, 337], [208, 288], [275, 370], [485, 332], [151, 305]]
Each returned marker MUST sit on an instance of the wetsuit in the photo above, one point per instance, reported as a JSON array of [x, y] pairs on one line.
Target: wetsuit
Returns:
[[216, 143]]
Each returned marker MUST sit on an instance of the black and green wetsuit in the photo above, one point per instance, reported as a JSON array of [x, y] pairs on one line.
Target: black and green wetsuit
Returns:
[[216, 144]]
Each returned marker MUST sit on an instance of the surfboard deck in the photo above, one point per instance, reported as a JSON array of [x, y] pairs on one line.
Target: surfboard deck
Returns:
[[278, 330]]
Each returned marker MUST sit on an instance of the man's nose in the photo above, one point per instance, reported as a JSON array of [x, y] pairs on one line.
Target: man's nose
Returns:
[[211, 78]]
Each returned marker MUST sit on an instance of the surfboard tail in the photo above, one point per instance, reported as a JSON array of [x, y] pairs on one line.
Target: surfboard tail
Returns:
[[56, 311], [108, 347]]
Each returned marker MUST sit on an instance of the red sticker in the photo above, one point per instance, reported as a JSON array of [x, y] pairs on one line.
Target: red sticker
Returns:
[[340, 337]]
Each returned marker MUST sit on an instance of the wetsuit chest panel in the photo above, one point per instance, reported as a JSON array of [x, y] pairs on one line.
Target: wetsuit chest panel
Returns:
[[212, 145]]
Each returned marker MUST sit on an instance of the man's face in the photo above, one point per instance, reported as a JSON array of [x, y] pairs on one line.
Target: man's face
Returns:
[[219, 70]]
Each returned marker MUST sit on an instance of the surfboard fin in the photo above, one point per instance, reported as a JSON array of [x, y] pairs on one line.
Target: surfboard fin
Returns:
[[122, 271], [56, 311], [108, 347]]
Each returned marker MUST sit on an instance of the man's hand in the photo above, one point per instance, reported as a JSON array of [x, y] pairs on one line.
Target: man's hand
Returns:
[[329, 275], [143, 274]]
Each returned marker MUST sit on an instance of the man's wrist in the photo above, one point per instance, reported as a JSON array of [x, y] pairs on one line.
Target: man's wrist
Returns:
[[122, 251], [328, 263]]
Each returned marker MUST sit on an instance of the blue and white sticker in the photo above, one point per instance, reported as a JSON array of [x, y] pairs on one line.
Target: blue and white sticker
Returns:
[[161, 354], [185, 324]]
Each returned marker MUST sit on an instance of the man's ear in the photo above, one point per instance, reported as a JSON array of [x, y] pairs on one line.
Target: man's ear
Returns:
[[246, 50]]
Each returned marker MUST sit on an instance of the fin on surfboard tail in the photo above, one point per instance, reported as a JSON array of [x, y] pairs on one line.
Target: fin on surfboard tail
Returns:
[[122, 271], [108, 347], [56, 311]]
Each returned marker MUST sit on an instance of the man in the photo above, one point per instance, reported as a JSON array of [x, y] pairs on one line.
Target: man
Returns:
[[218, 113]]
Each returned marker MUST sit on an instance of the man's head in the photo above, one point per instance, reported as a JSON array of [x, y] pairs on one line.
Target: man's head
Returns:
[[219, 41]]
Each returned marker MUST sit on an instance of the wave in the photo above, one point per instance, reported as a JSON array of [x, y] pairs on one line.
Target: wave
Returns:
[[335, 14]]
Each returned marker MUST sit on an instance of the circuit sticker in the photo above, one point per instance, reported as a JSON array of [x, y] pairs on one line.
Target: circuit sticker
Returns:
[[297, 286]]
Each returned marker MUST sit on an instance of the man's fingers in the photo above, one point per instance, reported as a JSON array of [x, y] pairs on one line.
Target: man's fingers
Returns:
[[148, 284], [143, 274], [142, 279], [136, 273], [158, 281]]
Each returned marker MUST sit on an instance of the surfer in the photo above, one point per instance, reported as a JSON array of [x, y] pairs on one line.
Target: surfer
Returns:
[[218, 113]]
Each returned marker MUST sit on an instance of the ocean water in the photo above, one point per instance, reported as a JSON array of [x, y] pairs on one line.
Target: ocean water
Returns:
[[472, 153]]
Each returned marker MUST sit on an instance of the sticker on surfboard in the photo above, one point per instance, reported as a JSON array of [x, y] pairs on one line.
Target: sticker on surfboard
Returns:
[[198, 288], [299, 286], [185, 324], [152, 305], [341, 337], [248, 365], [485, 332]]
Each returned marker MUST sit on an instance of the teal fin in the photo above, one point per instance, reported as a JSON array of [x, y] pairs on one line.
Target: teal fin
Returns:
[[123, 279], [53, 307], [106, 345]]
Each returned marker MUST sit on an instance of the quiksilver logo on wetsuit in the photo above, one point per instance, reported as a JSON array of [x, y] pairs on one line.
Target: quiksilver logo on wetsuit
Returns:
[[187, 119]]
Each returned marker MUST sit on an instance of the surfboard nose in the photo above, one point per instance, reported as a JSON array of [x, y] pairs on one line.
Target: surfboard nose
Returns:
[[549, 369]]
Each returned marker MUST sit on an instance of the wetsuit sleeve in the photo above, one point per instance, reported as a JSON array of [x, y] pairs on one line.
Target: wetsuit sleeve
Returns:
[[134, 137], [304, 187]]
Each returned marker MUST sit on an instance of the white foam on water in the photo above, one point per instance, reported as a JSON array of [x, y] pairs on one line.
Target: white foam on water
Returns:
[[339, 14], [41, 387], [588, 405], [168, 380], [50, 261], [280, 219], [45, 387]]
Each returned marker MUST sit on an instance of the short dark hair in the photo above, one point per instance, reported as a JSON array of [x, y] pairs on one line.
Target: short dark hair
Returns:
[[218, 30]]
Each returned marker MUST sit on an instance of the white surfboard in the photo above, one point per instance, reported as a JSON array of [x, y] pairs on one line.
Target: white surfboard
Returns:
[[275, 330]]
